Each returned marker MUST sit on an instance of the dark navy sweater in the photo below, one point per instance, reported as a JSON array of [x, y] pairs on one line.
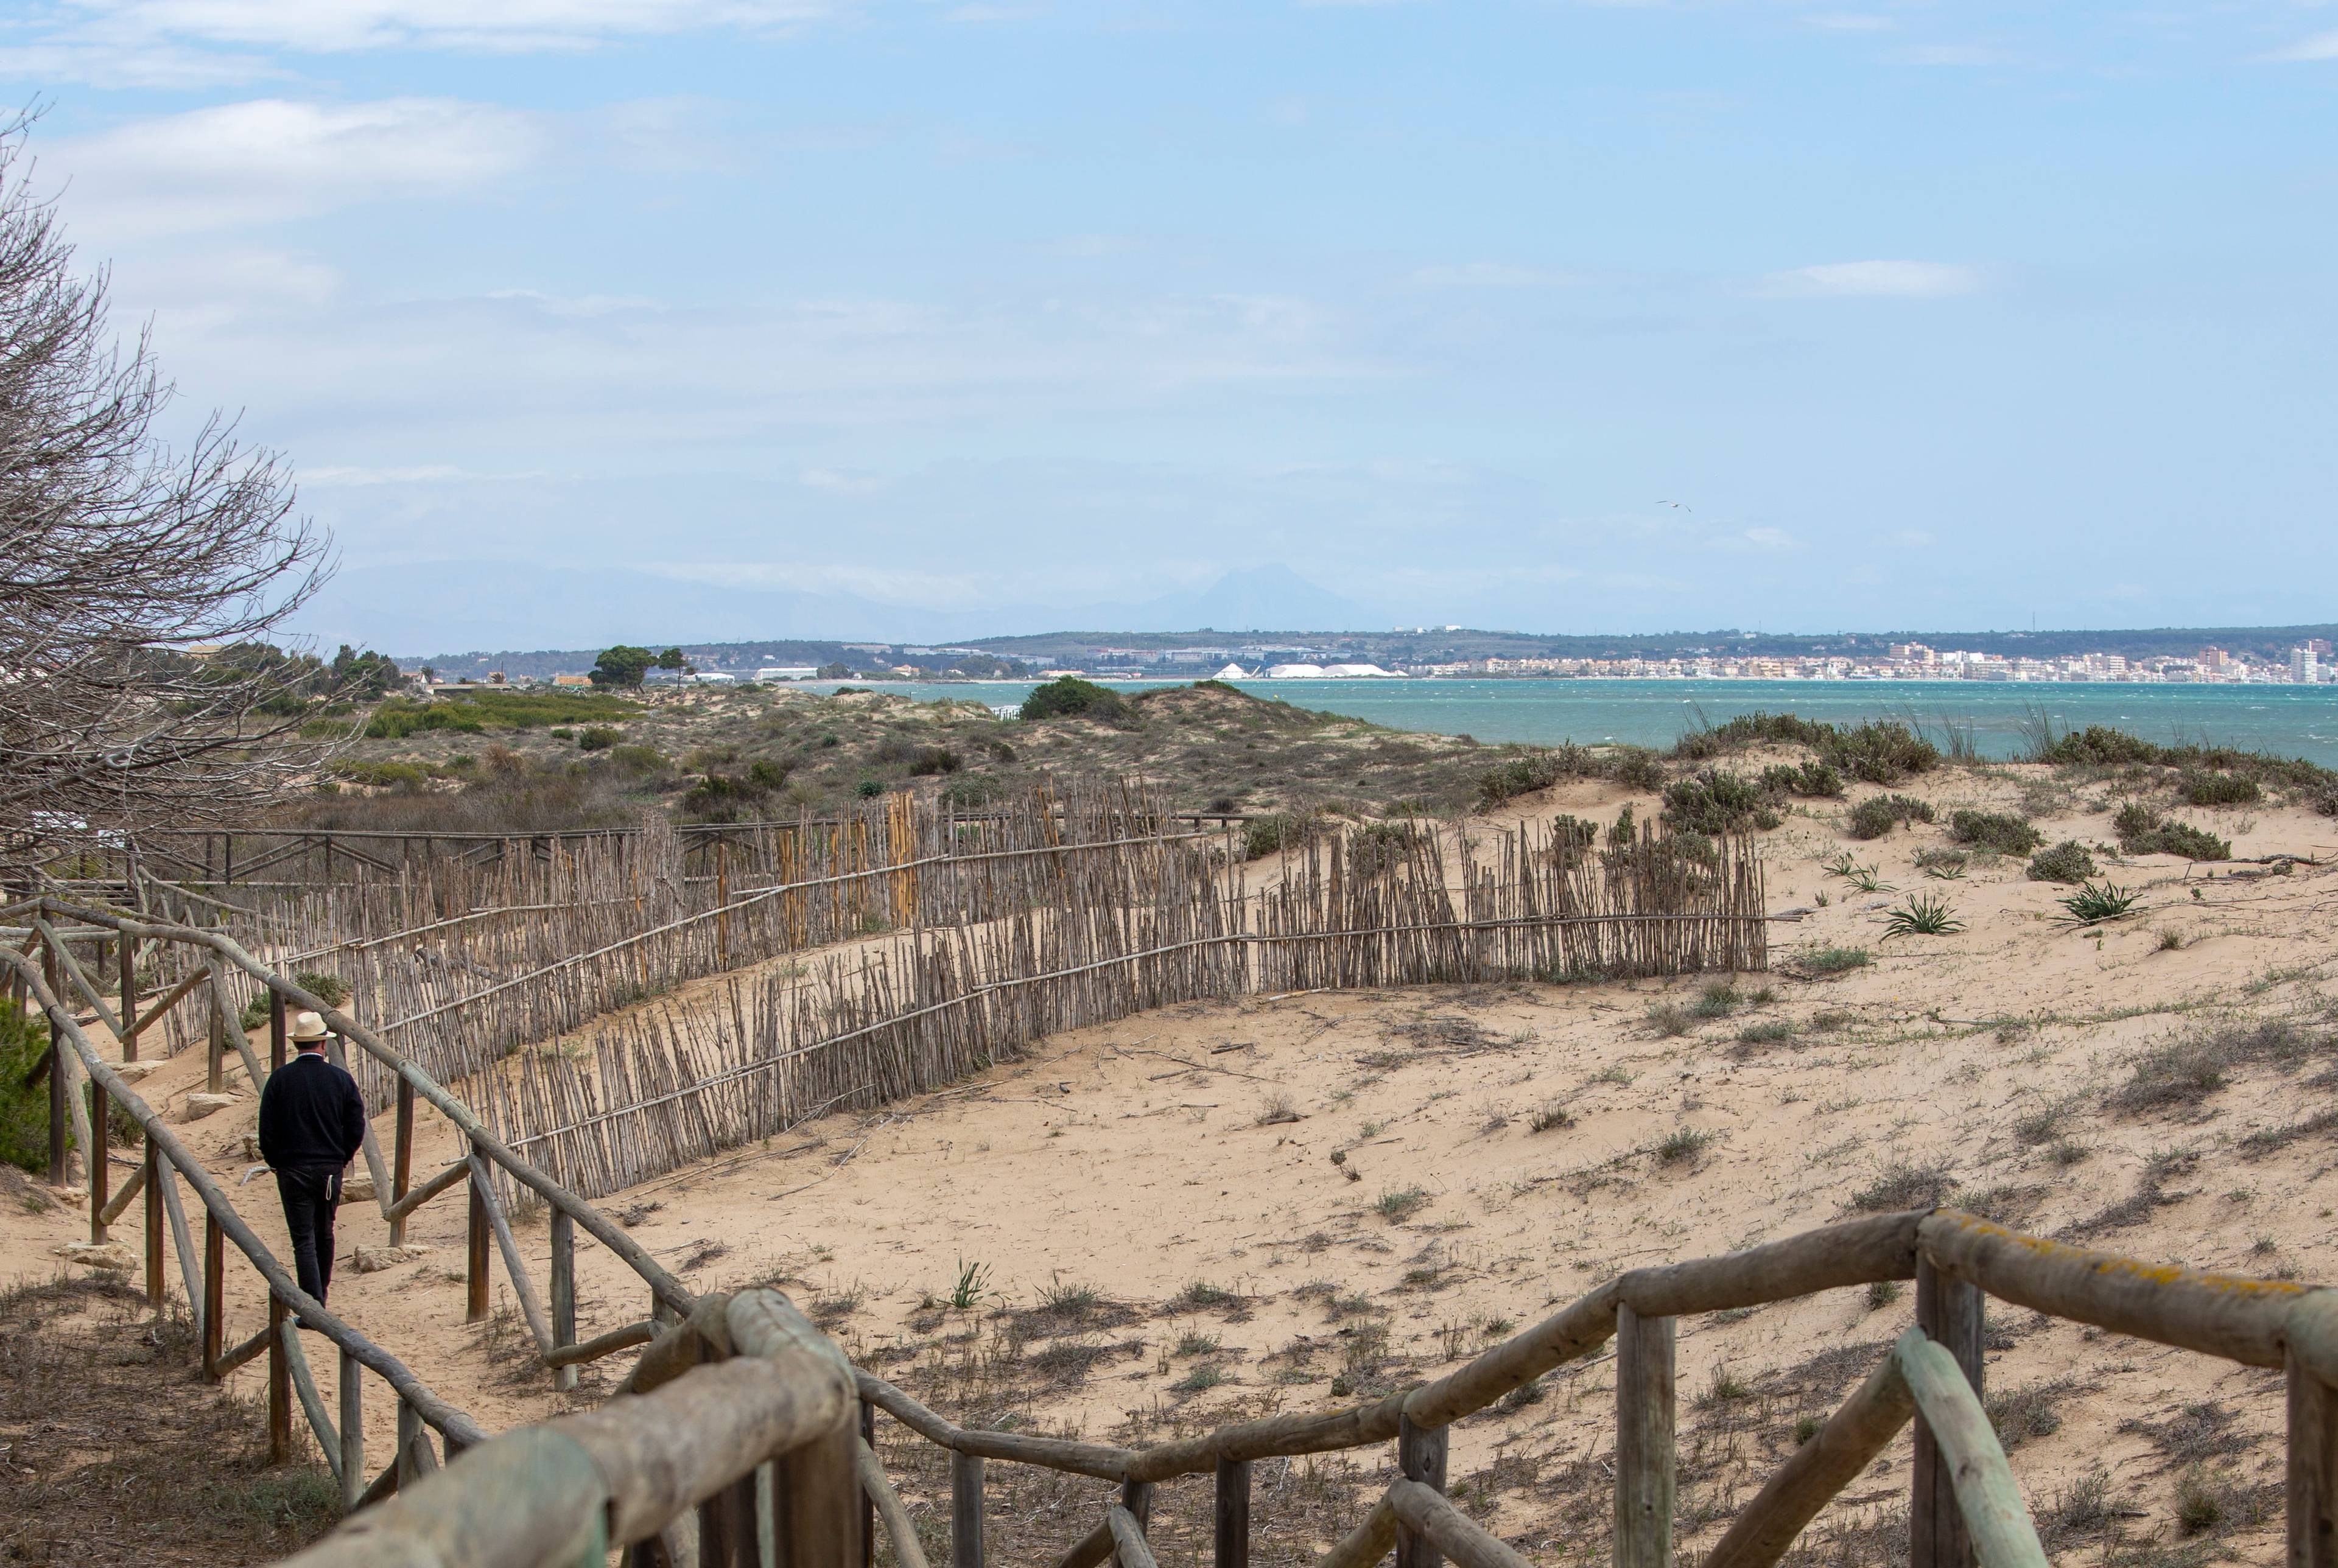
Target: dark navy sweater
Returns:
[[311, 1117]]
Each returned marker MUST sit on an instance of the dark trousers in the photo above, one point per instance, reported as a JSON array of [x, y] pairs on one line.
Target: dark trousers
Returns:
[[309, 1198]]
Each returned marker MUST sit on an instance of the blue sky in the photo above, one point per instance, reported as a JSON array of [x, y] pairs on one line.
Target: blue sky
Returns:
[[909, 318]]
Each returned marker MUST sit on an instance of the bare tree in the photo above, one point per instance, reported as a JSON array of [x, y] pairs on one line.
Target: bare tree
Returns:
[[117, 554]]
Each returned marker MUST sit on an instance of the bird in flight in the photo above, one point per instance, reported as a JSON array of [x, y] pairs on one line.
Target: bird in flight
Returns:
[[1677, 505]]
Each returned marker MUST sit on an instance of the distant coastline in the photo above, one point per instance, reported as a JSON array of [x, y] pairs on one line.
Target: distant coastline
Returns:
[[1997, 717]]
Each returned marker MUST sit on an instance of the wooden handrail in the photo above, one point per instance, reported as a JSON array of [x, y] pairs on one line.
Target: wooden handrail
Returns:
[[1987, 1496], [445, 1416], [1764, 1529], [879, 1488], [602, 1229]]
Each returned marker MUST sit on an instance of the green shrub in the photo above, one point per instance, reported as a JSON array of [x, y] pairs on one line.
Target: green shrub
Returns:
[[1265, 836], [638, 759], [1718, 801], [1878, 815], [1637, 767], [970, 790], [2142, 831], [381, 775], [598, 737], [326, 988], [2066, 862], [1816, 780], [23, 1107], [1069, 697], [2097, 745], [1518, 775], [2199, 788], [1750, 730], [1880, 752], [1999, 832]]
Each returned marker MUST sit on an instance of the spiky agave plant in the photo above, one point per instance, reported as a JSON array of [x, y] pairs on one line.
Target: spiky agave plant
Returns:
[[1922, 915], [1865, 879], [2095, 903]]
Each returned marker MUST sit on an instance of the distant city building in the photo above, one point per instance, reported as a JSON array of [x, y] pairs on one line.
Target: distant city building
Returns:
[[788, 672], [572, 681]]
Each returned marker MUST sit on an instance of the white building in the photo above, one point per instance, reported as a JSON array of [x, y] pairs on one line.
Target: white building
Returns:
[[788, 672]]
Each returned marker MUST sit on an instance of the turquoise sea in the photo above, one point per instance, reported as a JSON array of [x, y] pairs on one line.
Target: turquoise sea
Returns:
[[2289, 721]]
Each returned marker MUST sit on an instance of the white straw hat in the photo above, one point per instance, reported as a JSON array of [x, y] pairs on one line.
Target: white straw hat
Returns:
[[309, 1027]]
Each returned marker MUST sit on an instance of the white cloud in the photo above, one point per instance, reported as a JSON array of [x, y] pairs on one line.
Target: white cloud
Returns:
[[332, 476], [1847, 22], [270, 158], [1876, 280], [326, 26], [2321, 46], [1489, 275]]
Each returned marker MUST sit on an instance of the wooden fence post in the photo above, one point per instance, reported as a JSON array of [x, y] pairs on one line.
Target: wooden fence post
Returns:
[[126, 951], [215, 1066], [214, 1293], [401, 1159], [1644, 1440], [2313, 1489], [59, 1172], [1948, 1311], [1232, 1510], [474, 1301], [414, 1456], [1136, 1496], [815, 1501], [868, 1503], [352, 1430], [564, 1291], [100, 1173], [153, 1192], [280, 1385], [276, 1032], [965, 1510], [1419, 1456]]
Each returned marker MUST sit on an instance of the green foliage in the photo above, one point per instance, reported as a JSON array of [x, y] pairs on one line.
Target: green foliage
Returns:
[[2068, 861], [626, 666], [1069, 697], [1682, 1144], [382, 774], [1878, 815], [1879, 752], [1999, 832], [2203, 788], [2092, 904], [869, 788], [1816, 780], [1922, 915], [326, 988], [1265, 836], [641, 760], [1716, 803], [475, 712], [1750, 730], [1835, 960], [1520, 774], [2096, 746], [973, 1284], [23, 1108], [598, 737], [2142, 831]]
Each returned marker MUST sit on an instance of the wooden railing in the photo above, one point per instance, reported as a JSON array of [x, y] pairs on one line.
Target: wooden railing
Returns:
[[753, 1461]]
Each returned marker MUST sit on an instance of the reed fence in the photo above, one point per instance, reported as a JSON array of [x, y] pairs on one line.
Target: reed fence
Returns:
[[1138, 925], [735, 1445]]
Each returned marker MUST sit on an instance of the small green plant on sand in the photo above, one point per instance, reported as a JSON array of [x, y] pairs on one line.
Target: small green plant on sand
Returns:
[[973, 1285], [2095, 903], [1922, 915]]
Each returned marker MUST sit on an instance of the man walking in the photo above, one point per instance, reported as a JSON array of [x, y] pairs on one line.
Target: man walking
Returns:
[[313, 1123]]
